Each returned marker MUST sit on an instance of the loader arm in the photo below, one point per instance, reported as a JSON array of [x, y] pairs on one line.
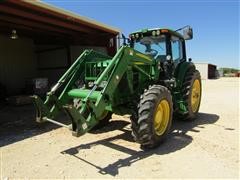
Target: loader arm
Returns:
[[93, 102]]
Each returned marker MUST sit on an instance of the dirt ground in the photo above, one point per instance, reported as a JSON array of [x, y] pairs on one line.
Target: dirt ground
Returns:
[[205, 148]]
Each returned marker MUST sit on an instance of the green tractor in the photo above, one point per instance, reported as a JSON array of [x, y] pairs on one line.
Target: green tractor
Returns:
[[149, 78]]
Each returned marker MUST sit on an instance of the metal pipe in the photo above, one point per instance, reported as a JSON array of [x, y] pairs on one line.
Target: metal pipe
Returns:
[[55, 122], [90, 93]]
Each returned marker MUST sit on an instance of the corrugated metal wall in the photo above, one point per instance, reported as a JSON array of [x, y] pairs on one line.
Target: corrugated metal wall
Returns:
[[77, 50], [22, 60], [207, 71], [53, 63], [203, 69], [17, 63]]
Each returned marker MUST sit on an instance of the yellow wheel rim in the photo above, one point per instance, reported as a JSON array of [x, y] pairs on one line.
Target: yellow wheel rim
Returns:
[[195, 95], [161, 117]]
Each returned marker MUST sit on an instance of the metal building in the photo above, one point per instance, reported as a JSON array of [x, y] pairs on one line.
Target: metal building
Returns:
[[207, 71], [39, 40]]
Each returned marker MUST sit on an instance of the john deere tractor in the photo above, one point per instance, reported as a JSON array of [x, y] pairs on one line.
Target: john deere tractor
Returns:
[[149, 78]]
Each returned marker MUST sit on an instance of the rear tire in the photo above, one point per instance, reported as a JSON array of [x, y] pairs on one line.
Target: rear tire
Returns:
[[192, 92], [152, 123]]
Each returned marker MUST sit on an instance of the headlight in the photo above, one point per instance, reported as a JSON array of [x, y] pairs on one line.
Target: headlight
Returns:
[[158, 32], [90, 84], [137, 35], [154, 33]]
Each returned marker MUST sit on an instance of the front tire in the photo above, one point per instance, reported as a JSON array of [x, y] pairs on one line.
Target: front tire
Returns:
[[154, 117]]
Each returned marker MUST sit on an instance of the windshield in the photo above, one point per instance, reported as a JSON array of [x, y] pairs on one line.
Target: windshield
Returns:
[[154, 46]]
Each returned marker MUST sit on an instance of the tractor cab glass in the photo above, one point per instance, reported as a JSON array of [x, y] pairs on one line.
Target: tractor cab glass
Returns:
[[177, 48], [154, 46]]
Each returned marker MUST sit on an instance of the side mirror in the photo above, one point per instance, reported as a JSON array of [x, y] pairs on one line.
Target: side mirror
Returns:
[[124, 39], [188, 33]]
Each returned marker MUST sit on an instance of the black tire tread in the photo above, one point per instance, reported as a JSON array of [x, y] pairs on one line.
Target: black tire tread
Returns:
[[190, 76], [142, 121]]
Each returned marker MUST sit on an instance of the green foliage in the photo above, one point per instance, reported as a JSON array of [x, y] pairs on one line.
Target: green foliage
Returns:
[[229, 70]]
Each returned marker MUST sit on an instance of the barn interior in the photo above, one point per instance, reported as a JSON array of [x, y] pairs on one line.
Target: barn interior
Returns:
[[38, 43]]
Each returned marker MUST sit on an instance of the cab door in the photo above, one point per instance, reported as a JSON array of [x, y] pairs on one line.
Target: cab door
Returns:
[[177, 49]]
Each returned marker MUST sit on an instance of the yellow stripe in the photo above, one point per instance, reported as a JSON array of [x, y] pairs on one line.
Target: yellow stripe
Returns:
[[139, 63], [144, 56]]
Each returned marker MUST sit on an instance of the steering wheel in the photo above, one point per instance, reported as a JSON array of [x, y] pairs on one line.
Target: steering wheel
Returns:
[[152, 52]]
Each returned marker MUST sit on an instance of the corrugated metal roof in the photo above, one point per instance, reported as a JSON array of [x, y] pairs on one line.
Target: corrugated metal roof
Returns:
[[73, 16]]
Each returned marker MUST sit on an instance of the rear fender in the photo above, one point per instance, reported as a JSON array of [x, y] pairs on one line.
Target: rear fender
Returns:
[[180, 74], [181, 71]]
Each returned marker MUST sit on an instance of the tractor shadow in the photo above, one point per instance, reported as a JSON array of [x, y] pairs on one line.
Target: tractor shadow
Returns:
[[177, 140], [18, 123]]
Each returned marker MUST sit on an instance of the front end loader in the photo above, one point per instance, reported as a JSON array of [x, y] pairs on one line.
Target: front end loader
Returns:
[[149, 78]]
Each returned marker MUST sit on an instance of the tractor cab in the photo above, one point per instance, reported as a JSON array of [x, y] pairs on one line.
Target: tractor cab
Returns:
[[161, 44]]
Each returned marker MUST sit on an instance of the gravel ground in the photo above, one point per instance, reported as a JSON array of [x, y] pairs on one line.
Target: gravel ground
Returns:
[[205, 148]]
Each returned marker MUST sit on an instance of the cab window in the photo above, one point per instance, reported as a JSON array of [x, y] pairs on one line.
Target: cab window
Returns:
[[154, 46], [176, 45]]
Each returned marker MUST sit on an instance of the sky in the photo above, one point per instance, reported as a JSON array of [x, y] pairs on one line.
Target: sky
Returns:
[[215, 23]]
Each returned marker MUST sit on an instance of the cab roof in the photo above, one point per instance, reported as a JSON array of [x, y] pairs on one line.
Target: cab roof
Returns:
[[161, 30]]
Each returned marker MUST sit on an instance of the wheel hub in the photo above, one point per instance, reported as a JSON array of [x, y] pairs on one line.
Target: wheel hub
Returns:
[[195, 95], [161, 117]]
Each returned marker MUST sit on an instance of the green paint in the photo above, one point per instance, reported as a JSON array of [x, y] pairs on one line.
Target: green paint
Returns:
[[96, 83]]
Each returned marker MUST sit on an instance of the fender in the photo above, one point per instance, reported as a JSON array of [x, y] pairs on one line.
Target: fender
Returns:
[[181, 70], [179, 74]]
